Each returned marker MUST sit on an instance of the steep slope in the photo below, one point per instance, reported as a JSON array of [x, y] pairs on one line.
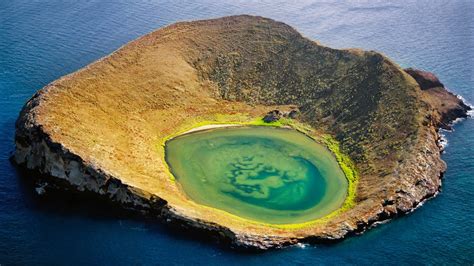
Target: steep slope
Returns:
[[100, 128]]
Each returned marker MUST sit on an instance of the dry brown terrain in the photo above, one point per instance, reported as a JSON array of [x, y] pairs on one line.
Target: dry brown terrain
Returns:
[[101, 128]]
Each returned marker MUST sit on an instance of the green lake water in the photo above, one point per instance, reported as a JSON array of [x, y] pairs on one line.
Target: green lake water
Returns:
[[41, 41], [267, 174]]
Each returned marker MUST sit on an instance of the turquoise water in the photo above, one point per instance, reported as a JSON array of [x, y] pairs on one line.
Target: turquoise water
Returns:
[[267, 174], [42, 40]]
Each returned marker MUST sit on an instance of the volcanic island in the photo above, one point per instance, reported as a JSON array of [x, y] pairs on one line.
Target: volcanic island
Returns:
[[243, 129]]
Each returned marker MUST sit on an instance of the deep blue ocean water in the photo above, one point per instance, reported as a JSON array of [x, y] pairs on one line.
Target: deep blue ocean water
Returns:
[[43, 40]]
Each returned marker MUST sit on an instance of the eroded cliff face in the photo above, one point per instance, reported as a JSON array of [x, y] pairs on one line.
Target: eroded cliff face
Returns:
[[97, 129], [445, 106], [36, 151]]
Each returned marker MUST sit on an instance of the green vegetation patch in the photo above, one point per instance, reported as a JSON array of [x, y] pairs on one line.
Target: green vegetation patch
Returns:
[[242, 187]]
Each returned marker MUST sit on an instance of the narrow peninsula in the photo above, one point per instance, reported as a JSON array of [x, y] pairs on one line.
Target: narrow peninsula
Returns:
[[368, 127]]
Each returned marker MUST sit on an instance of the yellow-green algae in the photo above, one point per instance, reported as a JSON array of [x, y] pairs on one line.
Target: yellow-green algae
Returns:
[[346, 164], [275, 175]]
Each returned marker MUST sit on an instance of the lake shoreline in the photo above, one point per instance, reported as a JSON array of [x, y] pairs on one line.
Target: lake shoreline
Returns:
[[41, 146]]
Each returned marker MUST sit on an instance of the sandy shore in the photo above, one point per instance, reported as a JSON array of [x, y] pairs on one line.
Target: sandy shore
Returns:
[[210, 127]]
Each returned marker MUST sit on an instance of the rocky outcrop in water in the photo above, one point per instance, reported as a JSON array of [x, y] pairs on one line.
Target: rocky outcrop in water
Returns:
[[446, 106], [425, 79], [99, 129]]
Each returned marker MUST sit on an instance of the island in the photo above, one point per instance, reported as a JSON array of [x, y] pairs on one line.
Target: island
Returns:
[[116, 129]]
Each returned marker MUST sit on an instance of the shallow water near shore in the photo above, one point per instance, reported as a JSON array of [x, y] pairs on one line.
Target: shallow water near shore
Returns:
[[266, 174], [43, 40]]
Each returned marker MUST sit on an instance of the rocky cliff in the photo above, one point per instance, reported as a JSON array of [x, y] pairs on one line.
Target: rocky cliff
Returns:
[[99, 129]]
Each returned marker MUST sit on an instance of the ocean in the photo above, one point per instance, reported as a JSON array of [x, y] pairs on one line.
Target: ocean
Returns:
[[43, 40]]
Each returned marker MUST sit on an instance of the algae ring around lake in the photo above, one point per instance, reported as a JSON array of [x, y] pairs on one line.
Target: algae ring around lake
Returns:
[[267, 174]]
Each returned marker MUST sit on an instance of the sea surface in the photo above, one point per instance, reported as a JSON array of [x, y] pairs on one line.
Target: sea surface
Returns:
[[43, 40]]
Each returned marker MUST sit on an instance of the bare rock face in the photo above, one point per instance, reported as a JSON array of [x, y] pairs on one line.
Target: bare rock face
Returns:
[[293, 114], [425, 79], [272, 116], [275, 115], [446, 106], [99, 130]]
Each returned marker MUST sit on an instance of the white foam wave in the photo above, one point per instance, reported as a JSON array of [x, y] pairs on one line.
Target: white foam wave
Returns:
[[470, 113], [301, 245], [443, 141]]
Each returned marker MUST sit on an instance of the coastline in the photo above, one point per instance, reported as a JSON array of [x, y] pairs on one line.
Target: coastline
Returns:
[[332, 145], [206, 127], [42, 148]]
